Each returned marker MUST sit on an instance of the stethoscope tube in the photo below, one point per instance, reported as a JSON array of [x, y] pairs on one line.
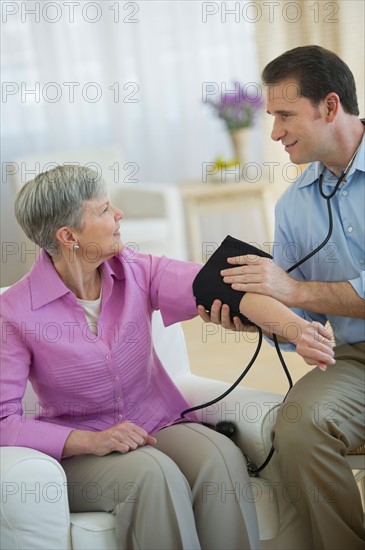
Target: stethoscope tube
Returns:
[[330, 220]]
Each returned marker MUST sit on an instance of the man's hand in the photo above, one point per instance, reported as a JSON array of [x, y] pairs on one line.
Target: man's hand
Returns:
[[220, 315], [261, 276]]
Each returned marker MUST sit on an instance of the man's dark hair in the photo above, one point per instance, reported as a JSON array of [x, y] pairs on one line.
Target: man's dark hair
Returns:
[[318, 72]]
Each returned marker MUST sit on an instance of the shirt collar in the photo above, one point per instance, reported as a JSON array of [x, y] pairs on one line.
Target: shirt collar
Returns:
[[312, 172], [47, 286]]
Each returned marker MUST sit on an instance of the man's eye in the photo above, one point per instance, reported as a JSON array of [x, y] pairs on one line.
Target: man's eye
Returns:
[[285, 116], [106, 209]]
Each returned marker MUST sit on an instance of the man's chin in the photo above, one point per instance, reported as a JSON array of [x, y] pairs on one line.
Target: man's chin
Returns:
[[296, 159]]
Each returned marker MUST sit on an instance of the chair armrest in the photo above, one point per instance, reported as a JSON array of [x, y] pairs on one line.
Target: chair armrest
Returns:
[[253, 411], [34, 505]]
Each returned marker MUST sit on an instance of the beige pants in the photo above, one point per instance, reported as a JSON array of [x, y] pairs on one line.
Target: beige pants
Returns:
[[320, 421], [189, 491]]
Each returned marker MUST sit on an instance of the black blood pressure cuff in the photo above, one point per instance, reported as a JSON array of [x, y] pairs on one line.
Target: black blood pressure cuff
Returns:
[[208, 285]]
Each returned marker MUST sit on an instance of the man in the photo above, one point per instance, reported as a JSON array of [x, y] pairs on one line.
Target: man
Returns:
[[311, 96]]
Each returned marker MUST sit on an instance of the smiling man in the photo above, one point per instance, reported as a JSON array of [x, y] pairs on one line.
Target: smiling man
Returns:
[[312, 100]]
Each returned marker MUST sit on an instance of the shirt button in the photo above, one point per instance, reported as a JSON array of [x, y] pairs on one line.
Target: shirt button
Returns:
[[120, 416], [108, 357], [116, 379], [361, 262], [119, 399], [344, 193], [350, 229]]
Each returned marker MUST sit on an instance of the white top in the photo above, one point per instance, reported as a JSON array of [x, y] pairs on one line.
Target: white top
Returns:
[[92, 312]]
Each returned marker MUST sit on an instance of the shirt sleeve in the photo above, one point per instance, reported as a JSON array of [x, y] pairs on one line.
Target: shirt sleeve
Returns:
[[19, 427], [359, 285], [172, 291], [169, 284]]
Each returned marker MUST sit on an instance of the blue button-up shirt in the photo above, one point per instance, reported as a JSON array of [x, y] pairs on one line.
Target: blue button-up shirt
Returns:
[[302, 224]]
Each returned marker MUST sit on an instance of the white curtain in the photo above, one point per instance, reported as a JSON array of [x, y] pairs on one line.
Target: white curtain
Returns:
[[131, 74]]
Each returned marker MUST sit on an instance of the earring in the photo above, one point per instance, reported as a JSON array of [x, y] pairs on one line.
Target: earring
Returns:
[[76, 246]]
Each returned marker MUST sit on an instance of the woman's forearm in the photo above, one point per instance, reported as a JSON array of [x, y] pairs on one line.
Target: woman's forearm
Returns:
[[272, 316]]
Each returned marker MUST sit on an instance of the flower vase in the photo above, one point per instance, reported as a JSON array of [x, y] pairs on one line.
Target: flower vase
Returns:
[[240, 139]]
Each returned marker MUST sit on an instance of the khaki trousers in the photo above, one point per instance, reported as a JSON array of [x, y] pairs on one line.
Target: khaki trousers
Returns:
[[321, 420], [189, 491]]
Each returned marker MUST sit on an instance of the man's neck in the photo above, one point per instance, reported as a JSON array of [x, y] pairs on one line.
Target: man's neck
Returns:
[[348, 146]]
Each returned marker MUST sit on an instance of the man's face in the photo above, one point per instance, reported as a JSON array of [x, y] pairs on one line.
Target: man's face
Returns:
[[297, 123]]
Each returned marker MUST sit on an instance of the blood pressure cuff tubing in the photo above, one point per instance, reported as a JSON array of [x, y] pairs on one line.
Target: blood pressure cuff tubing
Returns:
[[208, 285]]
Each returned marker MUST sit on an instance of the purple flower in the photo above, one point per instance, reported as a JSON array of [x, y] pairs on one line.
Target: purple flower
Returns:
[[239, 105]]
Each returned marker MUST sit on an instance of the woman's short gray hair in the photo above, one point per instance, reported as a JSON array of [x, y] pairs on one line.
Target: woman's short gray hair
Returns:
[[55, 199]]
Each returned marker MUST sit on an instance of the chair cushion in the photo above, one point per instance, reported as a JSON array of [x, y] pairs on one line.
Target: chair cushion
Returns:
[[93, 531]]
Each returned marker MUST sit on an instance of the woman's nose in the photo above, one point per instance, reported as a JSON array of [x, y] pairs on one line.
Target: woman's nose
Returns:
[[118, 213]]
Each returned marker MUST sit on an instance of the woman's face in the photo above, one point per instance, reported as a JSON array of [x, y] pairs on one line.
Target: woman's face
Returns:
[[100, 236]]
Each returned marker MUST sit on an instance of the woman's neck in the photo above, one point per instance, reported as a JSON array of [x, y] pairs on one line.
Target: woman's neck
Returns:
[[85, 284]]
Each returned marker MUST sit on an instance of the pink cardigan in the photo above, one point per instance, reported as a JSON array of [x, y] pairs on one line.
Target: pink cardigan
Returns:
[[87, 381]]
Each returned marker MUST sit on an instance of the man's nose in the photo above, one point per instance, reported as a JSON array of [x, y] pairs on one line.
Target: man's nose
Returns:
[[277, 131]]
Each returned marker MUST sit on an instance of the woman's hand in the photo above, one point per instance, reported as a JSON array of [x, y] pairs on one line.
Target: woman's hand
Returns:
[[315, 345], [220, 315], [123, 437]]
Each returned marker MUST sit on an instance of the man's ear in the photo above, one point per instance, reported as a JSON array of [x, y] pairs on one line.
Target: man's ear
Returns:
[[66, 237], [332, 104]]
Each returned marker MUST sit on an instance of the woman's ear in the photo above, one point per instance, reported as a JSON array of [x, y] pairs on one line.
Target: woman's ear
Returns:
[[66, 237], [332, 103]]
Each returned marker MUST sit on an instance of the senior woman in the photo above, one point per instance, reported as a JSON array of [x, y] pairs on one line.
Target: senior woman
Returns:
[[81, 332]]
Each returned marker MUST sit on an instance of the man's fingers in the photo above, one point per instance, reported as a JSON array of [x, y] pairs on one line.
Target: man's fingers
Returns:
[[246, 259], [243, 278], [236, 260]]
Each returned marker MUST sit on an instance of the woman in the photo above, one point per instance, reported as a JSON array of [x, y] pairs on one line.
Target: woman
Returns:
[[79, 327]]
